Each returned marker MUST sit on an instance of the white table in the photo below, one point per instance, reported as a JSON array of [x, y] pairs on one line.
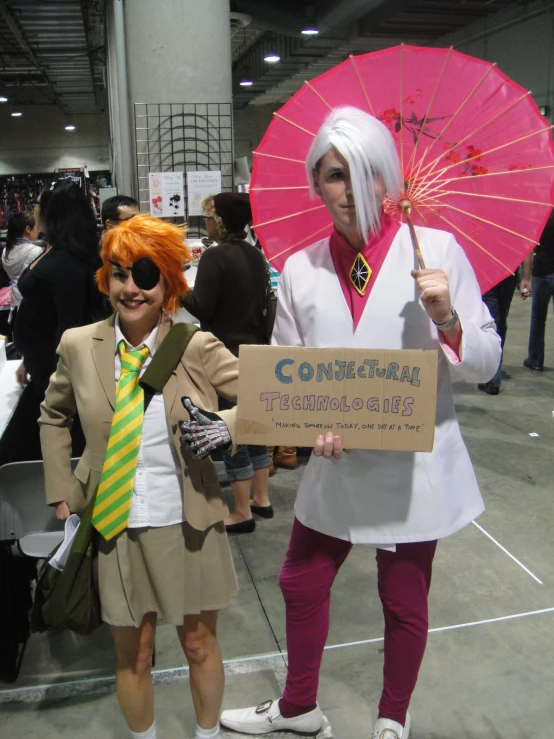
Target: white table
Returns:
[[10, 392]]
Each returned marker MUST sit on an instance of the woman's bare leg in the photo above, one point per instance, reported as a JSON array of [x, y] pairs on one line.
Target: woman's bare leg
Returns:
[[134, 688], [199, 641]]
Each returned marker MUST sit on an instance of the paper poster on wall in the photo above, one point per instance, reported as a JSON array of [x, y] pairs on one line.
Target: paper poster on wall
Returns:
[[201, 185], [166, 194]]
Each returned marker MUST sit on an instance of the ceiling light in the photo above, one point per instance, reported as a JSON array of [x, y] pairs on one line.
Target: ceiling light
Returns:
[[69, 126], [3, 99], [246, 83], [16, 113], [272, 58], [310, 31]]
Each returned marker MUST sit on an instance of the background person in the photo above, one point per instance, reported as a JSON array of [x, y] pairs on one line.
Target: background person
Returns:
[[538, 274], [399, 502], [58, 290], [117, 209], [229, 299], [163, 548], [280, 456], [498, 300], [19, 252]]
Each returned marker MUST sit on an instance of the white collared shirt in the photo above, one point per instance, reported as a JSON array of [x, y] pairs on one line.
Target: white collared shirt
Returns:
[[158, 491]]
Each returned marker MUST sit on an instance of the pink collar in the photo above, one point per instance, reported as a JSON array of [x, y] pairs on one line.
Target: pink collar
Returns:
[[344, 255]]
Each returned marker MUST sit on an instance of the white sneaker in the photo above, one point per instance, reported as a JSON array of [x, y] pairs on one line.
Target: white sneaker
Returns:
[[267, 718], [385, 728]]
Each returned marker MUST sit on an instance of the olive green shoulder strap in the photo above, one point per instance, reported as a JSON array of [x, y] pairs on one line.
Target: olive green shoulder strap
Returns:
[[167, 357]]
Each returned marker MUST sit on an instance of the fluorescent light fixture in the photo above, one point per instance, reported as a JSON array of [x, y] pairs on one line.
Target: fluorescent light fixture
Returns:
[[3, 99], [246, 83], [69, 126], [16, 113], [310, 31], [272, 58]]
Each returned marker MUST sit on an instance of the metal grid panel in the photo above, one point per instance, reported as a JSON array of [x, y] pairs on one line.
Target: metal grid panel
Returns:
[[183, 137]]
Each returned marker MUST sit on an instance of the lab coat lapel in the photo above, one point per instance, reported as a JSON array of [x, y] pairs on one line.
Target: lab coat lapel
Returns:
[[394, 295], [332, 294]]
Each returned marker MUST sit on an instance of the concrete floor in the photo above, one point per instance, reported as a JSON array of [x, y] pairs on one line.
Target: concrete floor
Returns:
[[487, 673]]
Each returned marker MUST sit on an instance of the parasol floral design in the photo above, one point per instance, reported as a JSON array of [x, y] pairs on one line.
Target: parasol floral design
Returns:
[[477, 155]]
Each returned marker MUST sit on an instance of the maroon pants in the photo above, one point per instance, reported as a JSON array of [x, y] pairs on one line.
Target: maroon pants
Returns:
[[404, 578]]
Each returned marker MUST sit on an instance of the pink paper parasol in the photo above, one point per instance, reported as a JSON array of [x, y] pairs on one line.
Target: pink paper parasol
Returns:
[[477, 155]]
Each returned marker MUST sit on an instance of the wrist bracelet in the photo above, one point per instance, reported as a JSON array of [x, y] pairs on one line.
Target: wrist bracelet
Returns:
[[450, 323]]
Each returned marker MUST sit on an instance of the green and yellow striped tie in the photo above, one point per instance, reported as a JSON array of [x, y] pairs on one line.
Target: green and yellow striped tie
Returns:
[[115, 492]]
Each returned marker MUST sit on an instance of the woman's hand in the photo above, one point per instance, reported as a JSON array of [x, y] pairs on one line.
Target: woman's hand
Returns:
[[62, 511], [434, 292], [21, 375], [328, 446]]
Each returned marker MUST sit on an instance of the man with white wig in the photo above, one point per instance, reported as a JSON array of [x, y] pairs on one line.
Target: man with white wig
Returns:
[[361, 287]]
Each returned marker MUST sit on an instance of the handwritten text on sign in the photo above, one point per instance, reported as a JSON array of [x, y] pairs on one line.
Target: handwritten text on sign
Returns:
[[375, 399]]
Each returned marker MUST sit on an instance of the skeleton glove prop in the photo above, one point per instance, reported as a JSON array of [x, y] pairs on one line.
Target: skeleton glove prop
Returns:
[[204, 432]]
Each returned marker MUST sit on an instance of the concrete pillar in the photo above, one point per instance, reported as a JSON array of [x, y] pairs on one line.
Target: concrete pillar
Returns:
[[176, 52]]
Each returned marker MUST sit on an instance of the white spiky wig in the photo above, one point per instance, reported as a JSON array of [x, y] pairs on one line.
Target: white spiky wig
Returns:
[[368, 147]]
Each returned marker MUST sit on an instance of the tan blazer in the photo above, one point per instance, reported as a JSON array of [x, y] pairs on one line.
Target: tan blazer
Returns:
[[84, 382]]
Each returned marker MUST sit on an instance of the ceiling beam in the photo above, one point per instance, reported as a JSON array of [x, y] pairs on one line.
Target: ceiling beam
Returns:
[[346, 12], [86, 24], [13, 25], [271, 17], [369, 23]]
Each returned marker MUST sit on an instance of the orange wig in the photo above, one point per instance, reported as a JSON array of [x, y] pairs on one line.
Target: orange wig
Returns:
[[145, 236]]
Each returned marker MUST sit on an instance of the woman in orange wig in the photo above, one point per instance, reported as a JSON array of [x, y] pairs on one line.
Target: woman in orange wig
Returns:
[[158, 509]]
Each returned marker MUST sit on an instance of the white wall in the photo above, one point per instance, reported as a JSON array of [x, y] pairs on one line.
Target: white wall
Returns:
[[520, 41], [37, 141]]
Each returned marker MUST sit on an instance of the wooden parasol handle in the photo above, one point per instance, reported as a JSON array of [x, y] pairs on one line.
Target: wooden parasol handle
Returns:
[[406, 208]]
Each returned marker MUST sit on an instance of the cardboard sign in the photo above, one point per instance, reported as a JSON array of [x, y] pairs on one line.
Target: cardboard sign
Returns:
[[373, 398]]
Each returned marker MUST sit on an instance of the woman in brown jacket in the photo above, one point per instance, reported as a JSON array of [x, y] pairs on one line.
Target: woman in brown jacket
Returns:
[[159, 510], [229, 298]]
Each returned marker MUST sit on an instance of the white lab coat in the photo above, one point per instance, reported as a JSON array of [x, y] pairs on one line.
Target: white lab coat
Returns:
[[379, 497]]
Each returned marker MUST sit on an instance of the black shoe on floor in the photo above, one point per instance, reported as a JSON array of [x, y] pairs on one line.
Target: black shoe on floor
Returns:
[[265, 511], [489, 389], [243, 527], [527, 363]]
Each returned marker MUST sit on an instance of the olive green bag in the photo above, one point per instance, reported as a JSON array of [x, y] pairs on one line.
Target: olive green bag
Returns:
[[69, 599]]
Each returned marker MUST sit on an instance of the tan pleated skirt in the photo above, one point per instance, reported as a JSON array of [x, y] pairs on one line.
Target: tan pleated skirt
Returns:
[[174, 571]]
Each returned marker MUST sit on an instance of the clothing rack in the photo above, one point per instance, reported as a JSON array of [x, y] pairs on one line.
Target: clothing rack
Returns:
[[20, 192]]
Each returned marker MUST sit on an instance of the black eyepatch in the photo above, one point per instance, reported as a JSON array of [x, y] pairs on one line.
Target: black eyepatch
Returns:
[[146, 274]]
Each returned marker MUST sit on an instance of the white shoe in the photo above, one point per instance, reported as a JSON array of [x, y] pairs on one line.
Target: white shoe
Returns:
[[267, 718], [385, 728]]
